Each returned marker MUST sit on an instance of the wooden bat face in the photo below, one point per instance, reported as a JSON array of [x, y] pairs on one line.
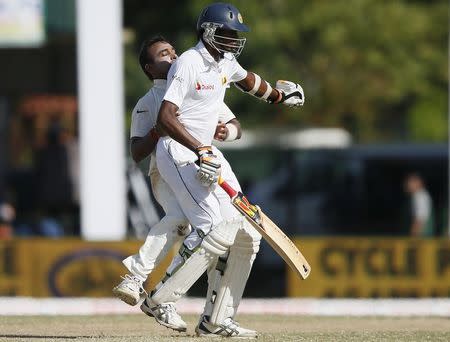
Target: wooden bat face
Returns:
[[273, 235]]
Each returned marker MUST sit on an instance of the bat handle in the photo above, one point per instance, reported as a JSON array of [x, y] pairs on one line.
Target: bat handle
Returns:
[[228, 189]]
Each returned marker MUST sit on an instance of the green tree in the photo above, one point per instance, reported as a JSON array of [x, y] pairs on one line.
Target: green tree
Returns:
[[378, 68]]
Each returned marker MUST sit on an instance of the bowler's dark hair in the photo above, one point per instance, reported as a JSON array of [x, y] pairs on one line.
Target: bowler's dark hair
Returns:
[[144, 58]]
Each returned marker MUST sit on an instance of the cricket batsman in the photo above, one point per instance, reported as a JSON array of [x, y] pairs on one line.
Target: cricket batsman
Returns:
[[196, 85], [155, 58]]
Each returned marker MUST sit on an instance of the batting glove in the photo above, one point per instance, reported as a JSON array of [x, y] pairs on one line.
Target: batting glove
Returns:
[[209, 166], [291, 93]]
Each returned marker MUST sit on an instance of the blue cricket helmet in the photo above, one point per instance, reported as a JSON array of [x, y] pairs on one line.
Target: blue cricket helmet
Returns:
[[222, 14], [224, 17]]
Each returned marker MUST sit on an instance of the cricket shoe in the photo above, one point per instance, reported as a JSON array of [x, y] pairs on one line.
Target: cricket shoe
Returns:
[[129, 290], [165, 314], [229, 328]]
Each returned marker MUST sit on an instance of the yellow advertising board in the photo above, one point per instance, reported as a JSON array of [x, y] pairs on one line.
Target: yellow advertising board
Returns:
[[66, 267], [9, 279], [373, 267], [341, 267]]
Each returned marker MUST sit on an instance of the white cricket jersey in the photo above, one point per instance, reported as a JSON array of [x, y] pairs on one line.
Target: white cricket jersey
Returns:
[[196, 84], [145, 114]]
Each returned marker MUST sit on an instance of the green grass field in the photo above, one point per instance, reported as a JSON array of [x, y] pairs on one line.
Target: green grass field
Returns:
[[271, 328]]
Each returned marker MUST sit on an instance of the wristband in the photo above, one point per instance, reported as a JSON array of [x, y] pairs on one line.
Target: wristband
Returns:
[[232, 132], [268, 91], [203, 149], [256, 85]]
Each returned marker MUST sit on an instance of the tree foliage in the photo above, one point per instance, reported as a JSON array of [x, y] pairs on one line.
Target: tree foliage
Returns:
[[378, 68]]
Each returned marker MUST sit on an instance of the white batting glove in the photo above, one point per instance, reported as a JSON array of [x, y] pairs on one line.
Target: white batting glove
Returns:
[[291, 93], [209, 166]]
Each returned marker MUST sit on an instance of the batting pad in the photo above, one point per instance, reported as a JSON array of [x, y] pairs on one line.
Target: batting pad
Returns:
[[215, 273], [186, 275], [159, 241], [215, 244], [231, 286]]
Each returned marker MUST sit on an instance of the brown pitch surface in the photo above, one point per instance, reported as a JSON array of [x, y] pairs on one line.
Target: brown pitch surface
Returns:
[[135, 328]]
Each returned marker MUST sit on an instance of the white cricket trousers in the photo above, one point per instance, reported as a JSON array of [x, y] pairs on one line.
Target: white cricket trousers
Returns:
[[204, 207], [172, 229]]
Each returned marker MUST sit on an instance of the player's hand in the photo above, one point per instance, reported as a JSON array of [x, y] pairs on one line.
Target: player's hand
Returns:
[[291, 93], [221, 132], [209, 166]]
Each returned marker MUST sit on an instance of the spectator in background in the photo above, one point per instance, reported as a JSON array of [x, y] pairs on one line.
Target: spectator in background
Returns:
[[71, 143], [421, 206], [53, 184], [7, 216]]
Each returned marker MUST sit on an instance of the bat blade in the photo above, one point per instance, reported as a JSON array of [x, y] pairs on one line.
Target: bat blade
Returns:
[[284, 246], [270, 231]]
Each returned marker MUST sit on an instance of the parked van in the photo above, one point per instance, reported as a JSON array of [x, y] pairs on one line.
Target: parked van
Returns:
[[354, 190]]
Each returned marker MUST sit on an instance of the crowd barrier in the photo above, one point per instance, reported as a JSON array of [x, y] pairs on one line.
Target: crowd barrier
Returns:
[[341, 267], [373, 268], [66, 267]]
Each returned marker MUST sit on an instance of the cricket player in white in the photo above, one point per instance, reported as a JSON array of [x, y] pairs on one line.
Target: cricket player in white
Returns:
[[155, 58], [197, 81]]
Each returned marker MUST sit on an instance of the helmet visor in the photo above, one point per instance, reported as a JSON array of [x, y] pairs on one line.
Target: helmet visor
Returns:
[[225, 40], [227, 44]]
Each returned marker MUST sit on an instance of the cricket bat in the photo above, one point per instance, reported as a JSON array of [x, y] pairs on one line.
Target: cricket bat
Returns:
[[269, 230]]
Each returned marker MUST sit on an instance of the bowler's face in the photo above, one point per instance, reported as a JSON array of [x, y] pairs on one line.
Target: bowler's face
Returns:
[[162, 55], [163, 52]]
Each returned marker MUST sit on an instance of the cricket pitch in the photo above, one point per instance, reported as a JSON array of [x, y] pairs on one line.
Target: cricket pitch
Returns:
[[135, 328]]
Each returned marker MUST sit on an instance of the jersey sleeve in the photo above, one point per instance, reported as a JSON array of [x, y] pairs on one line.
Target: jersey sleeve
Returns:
[[178, 80], [225, 113], [141, 121], [237, 72]]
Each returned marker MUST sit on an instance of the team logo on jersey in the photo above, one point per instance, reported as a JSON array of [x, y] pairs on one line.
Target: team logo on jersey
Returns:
[[240, 18], [177, 78], [199, 86]]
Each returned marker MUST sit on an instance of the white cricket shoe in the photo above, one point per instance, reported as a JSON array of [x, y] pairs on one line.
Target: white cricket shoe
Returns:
[[165, 314], [229, 328], [129, 290]]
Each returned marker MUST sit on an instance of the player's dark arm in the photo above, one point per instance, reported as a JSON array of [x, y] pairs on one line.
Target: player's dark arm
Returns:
[[256, 86], [286, 92], [141, 147], [169, 124]]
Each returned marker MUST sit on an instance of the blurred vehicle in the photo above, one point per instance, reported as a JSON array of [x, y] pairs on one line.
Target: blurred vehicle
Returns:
[[335, 188]]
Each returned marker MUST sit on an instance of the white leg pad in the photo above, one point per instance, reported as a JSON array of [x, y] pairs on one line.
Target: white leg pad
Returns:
[[184, 277], [226, 297], [190, 264], [160, 239], [215, 273]]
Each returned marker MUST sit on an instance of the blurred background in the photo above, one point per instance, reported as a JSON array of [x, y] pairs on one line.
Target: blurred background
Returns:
[[340, 175]]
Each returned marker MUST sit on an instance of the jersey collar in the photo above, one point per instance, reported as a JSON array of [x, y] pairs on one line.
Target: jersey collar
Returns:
[[200, 47], [160, 83]]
